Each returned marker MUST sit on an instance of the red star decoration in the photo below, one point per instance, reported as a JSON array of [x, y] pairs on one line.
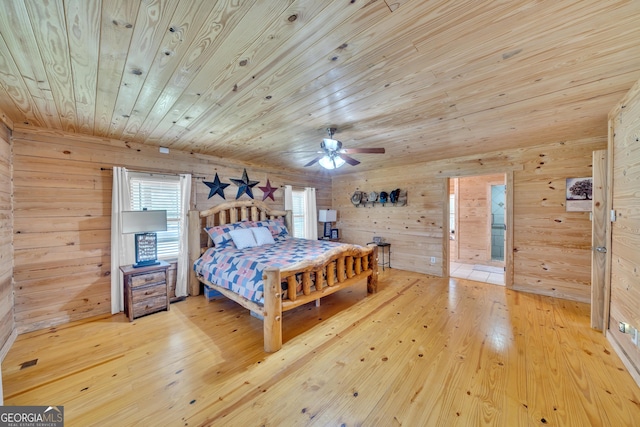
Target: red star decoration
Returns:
[[268, 191]]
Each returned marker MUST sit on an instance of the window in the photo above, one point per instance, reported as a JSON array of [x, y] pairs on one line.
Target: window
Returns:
[[159, 192], [298, 210], [302, 204]]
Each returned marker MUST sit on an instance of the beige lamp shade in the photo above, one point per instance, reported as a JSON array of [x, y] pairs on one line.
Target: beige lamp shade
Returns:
[[327, 215], [143, 221]]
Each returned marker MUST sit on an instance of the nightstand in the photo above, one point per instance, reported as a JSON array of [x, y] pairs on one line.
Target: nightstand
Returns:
[[328, 239], [146, 289], [382, 247]]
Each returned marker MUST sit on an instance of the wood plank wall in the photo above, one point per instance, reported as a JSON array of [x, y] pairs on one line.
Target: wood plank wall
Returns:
[[62, 201], [7, 325], [625, 231], [474, 213], [551, 246]]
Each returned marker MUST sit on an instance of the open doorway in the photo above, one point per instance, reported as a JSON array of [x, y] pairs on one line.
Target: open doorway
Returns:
[[498, 225], [477, 225]]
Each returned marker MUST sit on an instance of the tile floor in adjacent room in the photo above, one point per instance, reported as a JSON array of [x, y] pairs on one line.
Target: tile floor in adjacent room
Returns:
[[477, 272]]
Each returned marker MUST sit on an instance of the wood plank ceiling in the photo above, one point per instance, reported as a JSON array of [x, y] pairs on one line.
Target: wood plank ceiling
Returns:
[[260, 81]]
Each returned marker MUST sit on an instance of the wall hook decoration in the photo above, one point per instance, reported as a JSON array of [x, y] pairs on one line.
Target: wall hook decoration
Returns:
[[396, 197]]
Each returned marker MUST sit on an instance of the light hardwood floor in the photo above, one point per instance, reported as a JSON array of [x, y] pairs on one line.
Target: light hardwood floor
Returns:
[[422, 351]]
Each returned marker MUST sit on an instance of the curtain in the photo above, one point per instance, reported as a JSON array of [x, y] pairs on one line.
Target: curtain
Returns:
[[288, 198], [182, 273], [122, 245], [311, 214]]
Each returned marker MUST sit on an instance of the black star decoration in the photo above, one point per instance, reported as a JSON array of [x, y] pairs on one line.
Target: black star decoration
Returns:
[[244, 185], [216, 187], [268, 191]]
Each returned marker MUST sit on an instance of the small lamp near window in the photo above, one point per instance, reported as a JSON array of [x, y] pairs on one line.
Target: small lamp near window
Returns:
[[328, 216], [144, 224]]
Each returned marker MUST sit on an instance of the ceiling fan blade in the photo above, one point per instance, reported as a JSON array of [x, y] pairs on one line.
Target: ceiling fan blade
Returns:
[[303, 151], [348, 159], [362, 150], [314, 161]]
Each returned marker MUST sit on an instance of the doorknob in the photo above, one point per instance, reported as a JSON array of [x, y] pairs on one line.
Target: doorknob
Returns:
[[601, 249]]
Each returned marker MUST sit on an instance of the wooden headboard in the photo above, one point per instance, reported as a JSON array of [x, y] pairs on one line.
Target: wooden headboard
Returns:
[[225, 213]]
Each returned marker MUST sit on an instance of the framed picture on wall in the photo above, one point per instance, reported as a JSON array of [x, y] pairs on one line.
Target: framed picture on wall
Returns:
[[579, 194]]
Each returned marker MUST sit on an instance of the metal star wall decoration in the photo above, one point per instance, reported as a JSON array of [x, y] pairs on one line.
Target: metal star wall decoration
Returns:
[[268, 191], [244, 185], [216, 187]]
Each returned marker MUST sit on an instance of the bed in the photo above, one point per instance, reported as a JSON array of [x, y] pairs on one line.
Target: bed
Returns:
[[275, 285]]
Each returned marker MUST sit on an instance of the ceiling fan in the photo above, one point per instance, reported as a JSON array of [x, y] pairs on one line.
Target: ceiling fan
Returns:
[[333, 155]]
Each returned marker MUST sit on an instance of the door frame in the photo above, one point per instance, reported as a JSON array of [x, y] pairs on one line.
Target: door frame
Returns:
[[599, 219], [608, 228], [508, 255]]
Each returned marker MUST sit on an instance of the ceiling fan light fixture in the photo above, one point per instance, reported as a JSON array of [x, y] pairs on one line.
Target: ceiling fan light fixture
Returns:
[[334, 156], [331, 144], [331, 162]]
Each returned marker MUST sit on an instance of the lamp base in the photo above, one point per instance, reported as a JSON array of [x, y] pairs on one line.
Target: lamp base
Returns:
[[327, 229], [146, 250], [145, 263]]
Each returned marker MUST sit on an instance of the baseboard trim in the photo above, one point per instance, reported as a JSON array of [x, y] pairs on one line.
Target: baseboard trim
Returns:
[[3, 352], [7, 345], [631, 368]]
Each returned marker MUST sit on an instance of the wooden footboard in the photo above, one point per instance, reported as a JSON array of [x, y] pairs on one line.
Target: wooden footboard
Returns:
[[307, 281], [341, 268], [338, 269]]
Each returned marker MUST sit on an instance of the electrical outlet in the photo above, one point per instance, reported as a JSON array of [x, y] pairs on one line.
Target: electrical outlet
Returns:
[[433, 260], [634, 336], [622, 327]]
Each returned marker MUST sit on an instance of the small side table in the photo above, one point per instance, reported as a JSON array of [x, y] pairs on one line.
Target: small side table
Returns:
[[384, 246], [146, 289]]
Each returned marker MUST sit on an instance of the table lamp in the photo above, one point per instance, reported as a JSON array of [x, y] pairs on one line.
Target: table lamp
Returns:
[[328, 216], [144, 224]]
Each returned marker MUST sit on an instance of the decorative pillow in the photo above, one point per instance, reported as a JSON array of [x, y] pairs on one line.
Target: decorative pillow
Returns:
[[220, 234], [276, 227], [243, 238], [262, 235]]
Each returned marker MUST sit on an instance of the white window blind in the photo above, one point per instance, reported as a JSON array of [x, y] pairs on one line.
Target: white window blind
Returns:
[[298, 211], [159, 192]]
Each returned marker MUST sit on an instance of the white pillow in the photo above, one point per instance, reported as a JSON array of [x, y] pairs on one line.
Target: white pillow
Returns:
[[243, 238], [262, 235]]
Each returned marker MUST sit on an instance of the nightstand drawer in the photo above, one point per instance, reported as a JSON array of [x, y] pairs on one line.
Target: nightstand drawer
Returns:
[[145, 279], [145, 292], [149, 305]]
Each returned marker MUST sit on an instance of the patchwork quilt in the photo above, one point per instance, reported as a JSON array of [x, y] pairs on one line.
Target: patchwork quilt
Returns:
[[240, 270]]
